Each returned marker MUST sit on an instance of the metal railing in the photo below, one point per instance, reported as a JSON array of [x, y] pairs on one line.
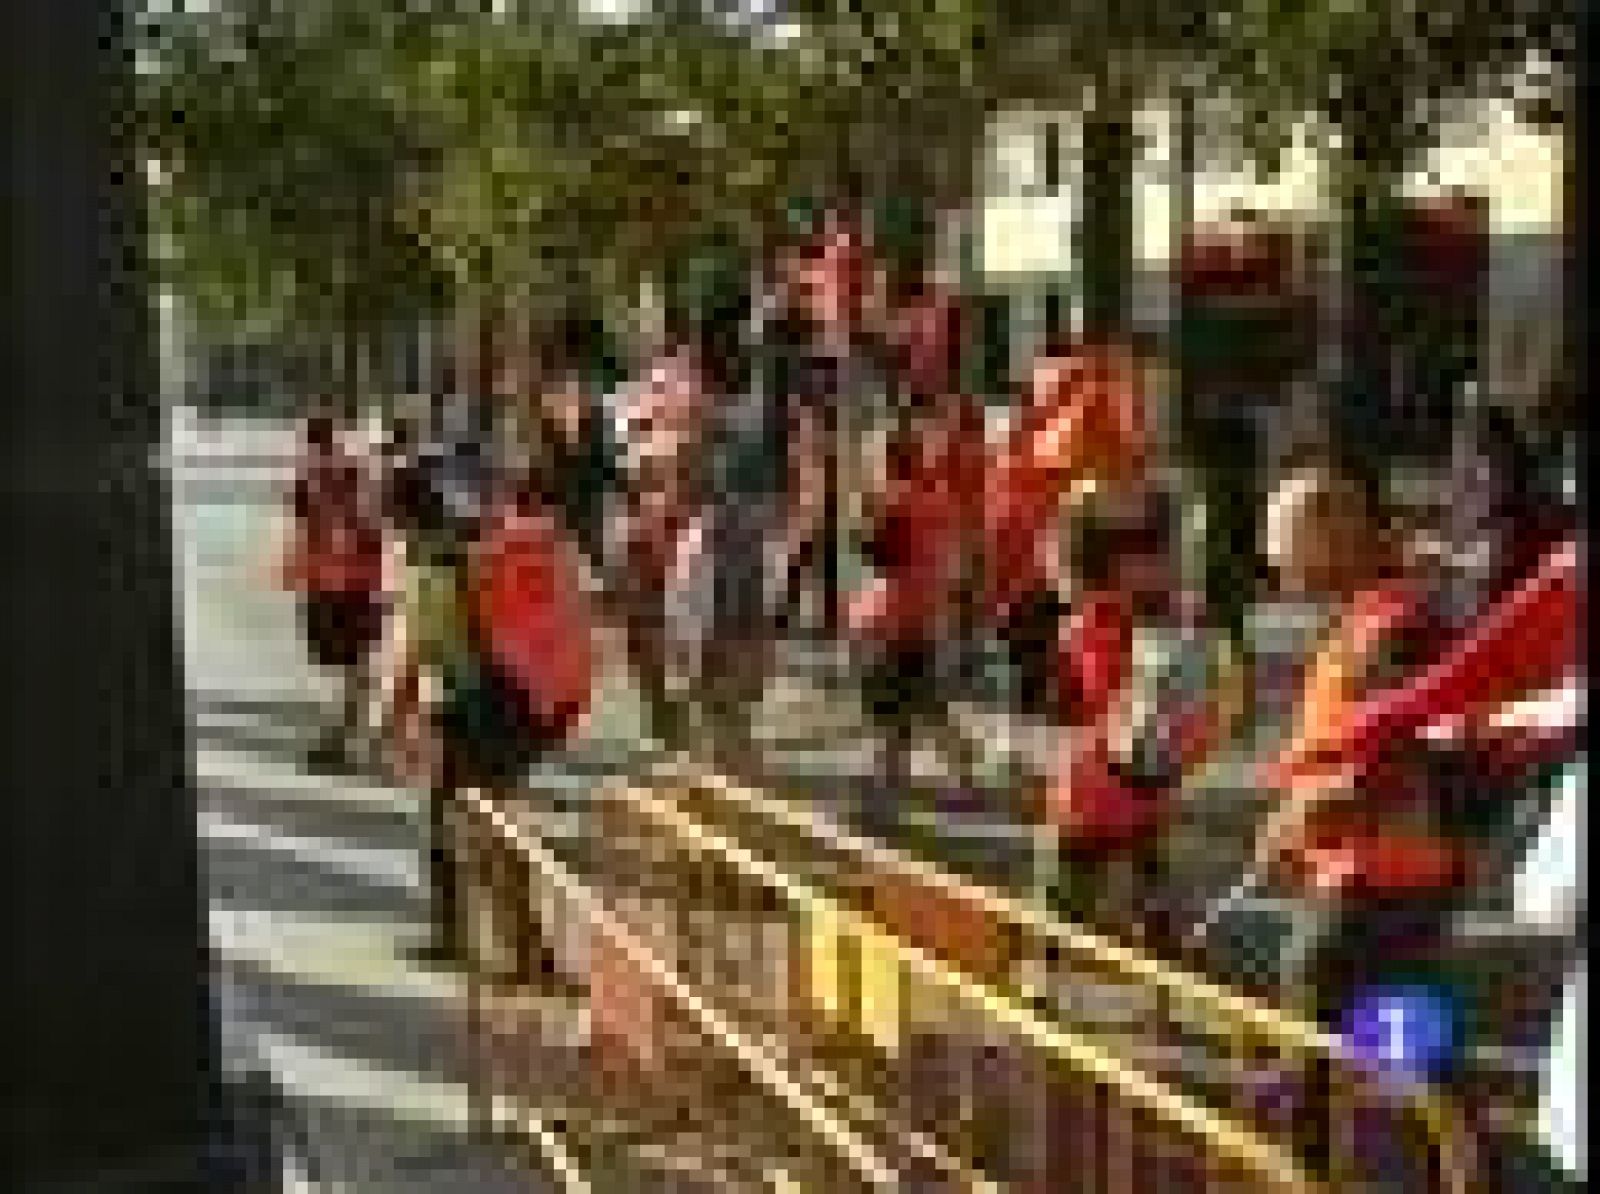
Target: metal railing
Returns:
[[715, 846], [1015, 950], [851, 1143]]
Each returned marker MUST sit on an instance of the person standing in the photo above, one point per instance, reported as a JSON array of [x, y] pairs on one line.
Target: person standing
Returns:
[[567, 425], [663, 413], [399, 714], [729, 574], [517, 688], [336, 565], [816, 342], [1083, 424], [924, 532], [438, 500]]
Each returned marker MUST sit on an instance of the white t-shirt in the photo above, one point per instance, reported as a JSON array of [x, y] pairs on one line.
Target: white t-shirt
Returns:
[[1548, 887], [1561, 1118], [1548, 893]]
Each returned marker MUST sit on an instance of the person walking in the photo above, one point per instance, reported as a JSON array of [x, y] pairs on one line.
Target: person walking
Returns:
[[398, 716], [438, 501], [517, 689], [336, 565]]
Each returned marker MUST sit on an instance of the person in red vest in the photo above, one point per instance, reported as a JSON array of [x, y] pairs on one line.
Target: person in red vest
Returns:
[[1130, 732], [1527, 641], [1082, 421], [336, 563], [925, 528], [1328, 537]]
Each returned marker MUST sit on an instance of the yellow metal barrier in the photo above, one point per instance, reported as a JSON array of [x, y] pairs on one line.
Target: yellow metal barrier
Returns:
[[1276, 1167], [815, 1098], [1215, 1010]]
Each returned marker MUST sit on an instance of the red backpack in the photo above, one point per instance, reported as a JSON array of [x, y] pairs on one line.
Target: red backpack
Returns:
[[534, 616]]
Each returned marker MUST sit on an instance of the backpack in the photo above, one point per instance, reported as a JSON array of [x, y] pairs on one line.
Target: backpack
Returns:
[[533, 624]]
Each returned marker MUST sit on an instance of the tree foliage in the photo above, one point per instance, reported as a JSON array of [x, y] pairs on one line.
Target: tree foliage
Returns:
[[285, 147], [336, 164]]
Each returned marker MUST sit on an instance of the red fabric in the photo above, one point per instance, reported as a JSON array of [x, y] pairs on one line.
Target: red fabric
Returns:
[[1447, 239], [338, 543], [1095, 808], [531, 607], [1084, 418], [929, 333], [1019, 506], [1526, 642], [932, 504], [1379, 864], [1095, 655], [1339, 680], [1085, 414], [1231, 262]]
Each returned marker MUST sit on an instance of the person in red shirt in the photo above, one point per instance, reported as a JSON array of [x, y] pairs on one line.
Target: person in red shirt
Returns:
[[336, 564]]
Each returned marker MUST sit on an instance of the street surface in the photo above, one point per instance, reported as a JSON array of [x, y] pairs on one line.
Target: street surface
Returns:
[[314, 884]]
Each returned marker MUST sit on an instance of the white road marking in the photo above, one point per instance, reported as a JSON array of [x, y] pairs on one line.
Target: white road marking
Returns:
[[361, 862]]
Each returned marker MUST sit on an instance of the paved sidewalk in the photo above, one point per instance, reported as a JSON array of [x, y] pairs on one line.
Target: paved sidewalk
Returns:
[[315, 898]]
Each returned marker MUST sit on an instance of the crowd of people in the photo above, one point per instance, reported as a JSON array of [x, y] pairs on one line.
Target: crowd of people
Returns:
[[465, 580]]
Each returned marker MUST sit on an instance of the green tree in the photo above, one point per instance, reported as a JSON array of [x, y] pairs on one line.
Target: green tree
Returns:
[[286, 154], [1386, 80]]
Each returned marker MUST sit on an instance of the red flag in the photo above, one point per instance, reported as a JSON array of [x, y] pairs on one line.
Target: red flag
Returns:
[[1526, 642]]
